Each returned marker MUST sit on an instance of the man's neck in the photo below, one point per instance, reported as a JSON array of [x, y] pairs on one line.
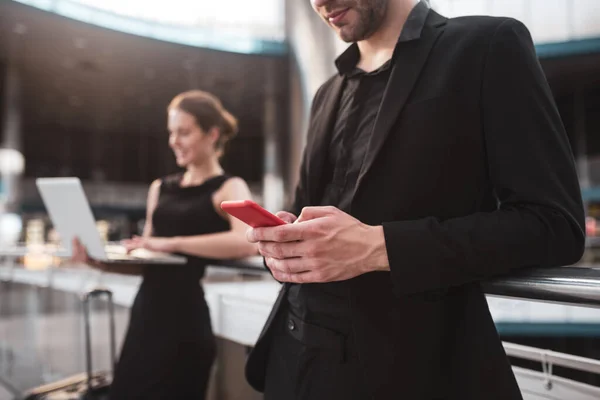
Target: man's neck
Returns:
[[379, 47]]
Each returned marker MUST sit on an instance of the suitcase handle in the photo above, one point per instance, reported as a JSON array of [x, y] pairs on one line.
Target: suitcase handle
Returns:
[[98, 292]]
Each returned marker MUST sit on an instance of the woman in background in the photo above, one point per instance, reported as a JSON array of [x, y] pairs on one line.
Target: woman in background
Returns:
[[169, 347]]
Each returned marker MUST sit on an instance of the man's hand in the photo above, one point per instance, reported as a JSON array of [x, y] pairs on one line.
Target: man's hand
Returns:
[[323, 245], [287, 217], [160, 244]]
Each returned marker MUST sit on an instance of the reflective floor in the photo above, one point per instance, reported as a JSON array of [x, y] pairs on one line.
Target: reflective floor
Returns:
[[41, 336], [5, 394]]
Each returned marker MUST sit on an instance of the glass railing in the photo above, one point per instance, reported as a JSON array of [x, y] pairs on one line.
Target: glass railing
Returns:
[[571, 285]]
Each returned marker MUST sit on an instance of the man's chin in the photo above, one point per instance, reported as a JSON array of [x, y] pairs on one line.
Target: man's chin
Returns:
[[348, 40], [347, 36]]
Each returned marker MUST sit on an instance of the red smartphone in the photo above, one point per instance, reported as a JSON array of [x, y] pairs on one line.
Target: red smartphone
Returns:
[[251, 213]]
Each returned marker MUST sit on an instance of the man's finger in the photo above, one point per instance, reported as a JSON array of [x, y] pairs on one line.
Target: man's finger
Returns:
[[303, 277], [250, 235], [287, 217], [287, 266], [283, 250], [309, 213], [281, 233]]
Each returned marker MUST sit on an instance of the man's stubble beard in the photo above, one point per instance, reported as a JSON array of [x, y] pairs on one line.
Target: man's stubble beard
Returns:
[[371, 16]]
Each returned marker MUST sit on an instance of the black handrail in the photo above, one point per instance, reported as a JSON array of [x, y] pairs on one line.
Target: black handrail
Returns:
[[566, 285]]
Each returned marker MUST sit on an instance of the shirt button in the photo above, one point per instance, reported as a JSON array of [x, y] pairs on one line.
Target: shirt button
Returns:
[[291, 325]]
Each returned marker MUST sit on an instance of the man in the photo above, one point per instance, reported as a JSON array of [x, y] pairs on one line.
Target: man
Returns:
[[435, 159]]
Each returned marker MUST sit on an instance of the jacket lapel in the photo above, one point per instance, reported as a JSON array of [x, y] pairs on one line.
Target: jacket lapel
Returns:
[[317, 146], [410, 60]]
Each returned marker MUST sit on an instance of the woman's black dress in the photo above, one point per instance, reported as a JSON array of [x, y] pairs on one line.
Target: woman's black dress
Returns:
[[169, 347]]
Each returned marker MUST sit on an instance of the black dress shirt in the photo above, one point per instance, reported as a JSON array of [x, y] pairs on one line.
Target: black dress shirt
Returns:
[[326, 304]]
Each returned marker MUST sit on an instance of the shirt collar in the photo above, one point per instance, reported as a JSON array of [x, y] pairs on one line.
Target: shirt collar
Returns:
[[413, 27]]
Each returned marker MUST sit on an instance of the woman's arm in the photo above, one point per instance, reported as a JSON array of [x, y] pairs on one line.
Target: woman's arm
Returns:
[[223, 245], [80, 253], [151, 203]]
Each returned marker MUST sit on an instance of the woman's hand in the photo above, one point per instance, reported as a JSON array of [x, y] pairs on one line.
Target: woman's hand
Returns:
[[160, 244], [80, 255]]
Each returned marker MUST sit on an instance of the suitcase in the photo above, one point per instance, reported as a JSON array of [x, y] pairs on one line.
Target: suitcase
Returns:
[[89, 385]]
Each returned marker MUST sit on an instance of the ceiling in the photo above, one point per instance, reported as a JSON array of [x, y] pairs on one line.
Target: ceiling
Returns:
[[94, 99], [89, 84]]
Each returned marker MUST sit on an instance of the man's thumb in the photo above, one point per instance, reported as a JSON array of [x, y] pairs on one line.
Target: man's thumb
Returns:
[[309, 213], [286, 216]]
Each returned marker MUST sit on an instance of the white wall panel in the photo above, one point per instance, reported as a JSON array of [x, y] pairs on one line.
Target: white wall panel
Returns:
[[548, 20], [517, 9], [586, 18], [469, 7]]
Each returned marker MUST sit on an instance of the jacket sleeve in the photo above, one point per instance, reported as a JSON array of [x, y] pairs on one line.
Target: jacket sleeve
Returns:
[[539, 220], [301, 193]]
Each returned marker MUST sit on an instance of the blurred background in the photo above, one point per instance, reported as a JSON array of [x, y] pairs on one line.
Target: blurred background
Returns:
[[84, 86]]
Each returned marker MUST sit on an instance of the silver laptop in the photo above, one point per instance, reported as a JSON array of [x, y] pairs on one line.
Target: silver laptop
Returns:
[[72, 217]]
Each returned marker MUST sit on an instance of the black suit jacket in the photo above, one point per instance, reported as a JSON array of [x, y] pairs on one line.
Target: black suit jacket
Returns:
[[470, 172]]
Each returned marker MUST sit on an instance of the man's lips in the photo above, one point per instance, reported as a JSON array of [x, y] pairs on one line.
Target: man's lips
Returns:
[[336, 16]]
